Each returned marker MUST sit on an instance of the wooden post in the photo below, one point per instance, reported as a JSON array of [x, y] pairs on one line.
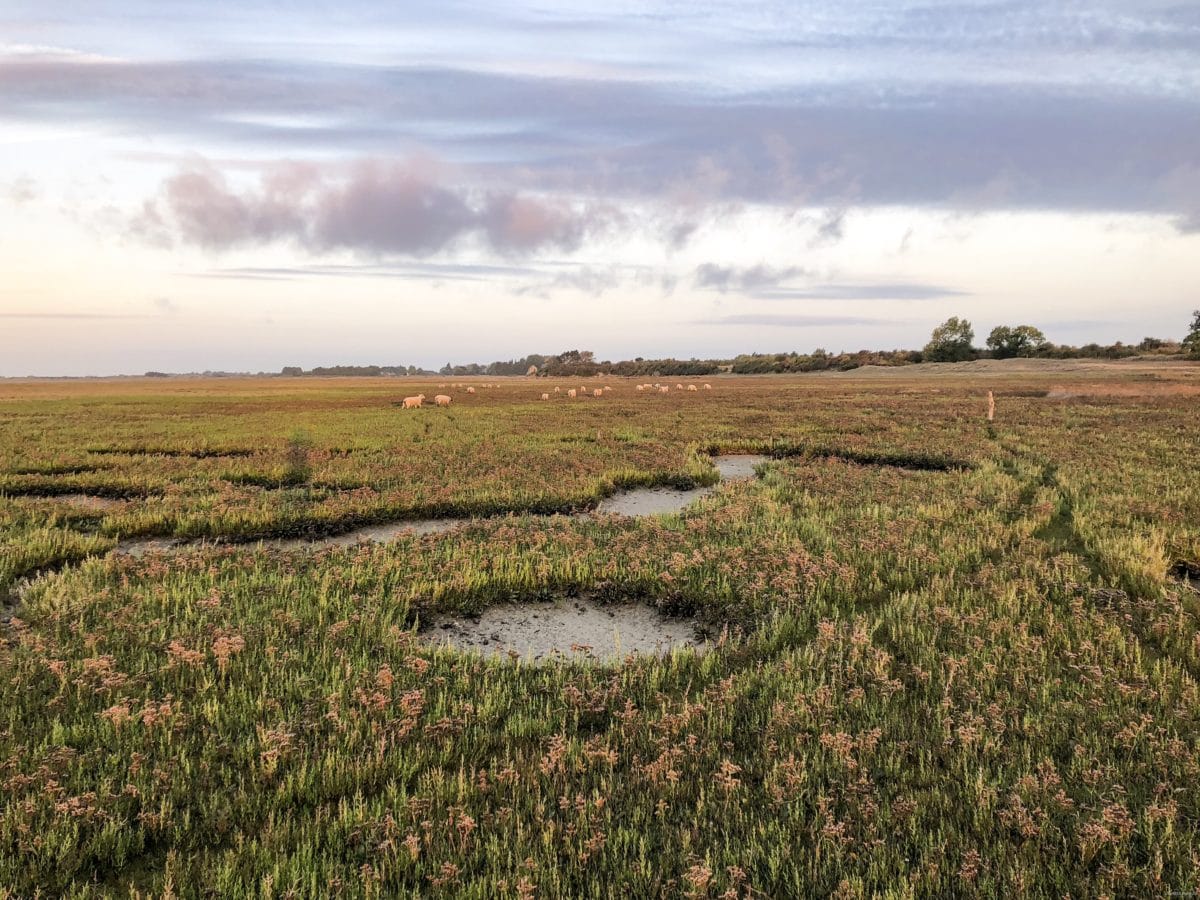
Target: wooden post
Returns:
[[991, 407]]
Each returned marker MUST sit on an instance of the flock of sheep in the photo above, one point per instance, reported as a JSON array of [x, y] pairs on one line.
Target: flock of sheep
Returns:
[[445, 399]]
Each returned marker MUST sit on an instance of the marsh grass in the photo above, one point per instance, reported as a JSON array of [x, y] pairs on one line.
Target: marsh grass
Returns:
[[967, 680]]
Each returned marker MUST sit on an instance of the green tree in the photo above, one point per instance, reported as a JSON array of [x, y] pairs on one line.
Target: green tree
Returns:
[[951, 342], [1006, 342], [1191, 343]]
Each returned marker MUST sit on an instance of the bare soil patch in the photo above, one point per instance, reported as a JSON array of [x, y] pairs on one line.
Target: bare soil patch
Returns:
[[579, 629]]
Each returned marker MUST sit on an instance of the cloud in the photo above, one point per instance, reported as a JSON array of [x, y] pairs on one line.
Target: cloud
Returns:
[[67, 315], [424, 271], [896, 138], [375, 208], [207, 212], [598, 280], [861, 292], [734, 278], [20, 190], [789, 321]]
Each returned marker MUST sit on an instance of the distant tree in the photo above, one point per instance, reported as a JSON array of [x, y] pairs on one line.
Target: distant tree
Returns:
[[1023, 340], [291, 371], [1191, 343], [951, 342]]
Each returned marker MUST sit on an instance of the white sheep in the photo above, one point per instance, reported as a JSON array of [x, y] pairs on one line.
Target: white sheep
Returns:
[[545, 396], [664, 390], [470, 390], [692, 387], [597, 393], [708, 387], [414, 402], [641, 387], [571, 393], [442, 400]]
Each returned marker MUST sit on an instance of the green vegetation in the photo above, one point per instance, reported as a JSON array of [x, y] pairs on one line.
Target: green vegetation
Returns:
[[950, 342], [1191, 343], [951, 659], [1024, 340]]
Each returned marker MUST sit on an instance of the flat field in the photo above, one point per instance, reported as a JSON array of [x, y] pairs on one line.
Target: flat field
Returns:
[[950, 658]]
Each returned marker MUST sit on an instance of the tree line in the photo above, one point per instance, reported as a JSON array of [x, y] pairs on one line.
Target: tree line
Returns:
[[952, 341]]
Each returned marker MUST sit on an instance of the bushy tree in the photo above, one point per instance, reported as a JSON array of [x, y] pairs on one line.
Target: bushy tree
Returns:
[[1191, 343], [950, 342], [1006, 342]]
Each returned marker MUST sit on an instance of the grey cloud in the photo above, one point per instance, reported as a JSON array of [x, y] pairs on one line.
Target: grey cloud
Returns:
[[861, 292], [516, 224], [20, 190], [830, 229], [408, 270], [734, 278], [788, 321], [376, 208], [212, 215], [961, 146], [390, 209]]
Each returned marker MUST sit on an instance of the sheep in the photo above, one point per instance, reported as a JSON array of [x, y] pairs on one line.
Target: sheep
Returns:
[[557, 390], [679, 387], [414, 402], [545, 396], [641, 387], [597, 393], [470, 390], [692, 387], [708, 387], [571, 393], [664, 390], [442, 400]]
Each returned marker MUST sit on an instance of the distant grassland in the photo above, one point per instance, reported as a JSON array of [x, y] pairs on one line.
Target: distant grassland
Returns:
[[954, 660]]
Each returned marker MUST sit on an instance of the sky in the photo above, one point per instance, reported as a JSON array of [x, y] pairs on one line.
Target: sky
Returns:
[[194, 186]]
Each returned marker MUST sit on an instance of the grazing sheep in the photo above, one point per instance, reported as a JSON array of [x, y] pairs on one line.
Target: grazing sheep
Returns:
[[679, 387], [441, 400], [414, 402], [545, 396], [597, 393], [571, 393], [664, 390], [641, 387], [692, 387], [708, 387], [470, 390]]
